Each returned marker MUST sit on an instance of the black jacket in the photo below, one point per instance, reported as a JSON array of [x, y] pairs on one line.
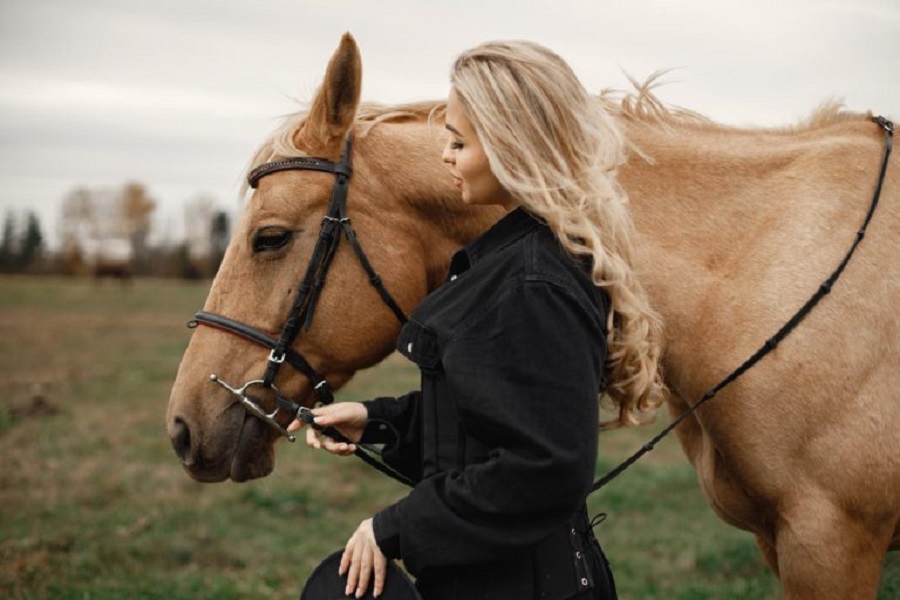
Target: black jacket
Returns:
[[502, 437]]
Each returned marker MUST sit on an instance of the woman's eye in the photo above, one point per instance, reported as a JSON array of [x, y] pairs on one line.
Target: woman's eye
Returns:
[[271, 239], [456, 145]]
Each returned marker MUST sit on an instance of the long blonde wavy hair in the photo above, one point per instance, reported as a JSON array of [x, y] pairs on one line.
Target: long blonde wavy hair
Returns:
[[554, 147]]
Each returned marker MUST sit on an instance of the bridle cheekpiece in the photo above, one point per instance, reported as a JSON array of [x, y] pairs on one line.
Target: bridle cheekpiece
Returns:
[[335, 223]]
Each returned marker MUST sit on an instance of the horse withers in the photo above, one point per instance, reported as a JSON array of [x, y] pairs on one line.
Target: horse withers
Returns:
[[737, 228]]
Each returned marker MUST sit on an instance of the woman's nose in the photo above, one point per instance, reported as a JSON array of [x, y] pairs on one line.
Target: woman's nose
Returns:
[[448, 156]]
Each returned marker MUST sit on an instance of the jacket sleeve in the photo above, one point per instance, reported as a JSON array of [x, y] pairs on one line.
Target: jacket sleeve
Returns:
[[394, 422], [526, 374]]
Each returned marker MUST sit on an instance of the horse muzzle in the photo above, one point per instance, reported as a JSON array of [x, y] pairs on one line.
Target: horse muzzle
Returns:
[[235, 445]]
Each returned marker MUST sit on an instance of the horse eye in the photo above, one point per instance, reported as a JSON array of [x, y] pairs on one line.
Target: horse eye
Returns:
[[267, 240]]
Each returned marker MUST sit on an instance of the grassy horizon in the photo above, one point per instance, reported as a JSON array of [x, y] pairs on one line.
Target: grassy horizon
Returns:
[[93, 503]]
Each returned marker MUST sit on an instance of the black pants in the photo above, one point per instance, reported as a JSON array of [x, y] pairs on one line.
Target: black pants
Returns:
[[507, 581], [604, 583]]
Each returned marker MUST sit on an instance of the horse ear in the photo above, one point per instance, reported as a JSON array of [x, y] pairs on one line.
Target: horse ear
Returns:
[[334, 107]]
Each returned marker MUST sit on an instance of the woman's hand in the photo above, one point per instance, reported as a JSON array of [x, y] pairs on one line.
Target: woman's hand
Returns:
[[349, 418], [363, 561]]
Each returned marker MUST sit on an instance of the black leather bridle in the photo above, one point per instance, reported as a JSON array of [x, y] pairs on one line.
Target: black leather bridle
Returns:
[[335, 223]]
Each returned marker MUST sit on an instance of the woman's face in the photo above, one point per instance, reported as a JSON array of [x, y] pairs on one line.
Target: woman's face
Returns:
[[468, 164]]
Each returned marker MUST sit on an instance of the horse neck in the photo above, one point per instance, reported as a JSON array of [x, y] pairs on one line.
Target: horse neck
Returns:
[[407, 174]]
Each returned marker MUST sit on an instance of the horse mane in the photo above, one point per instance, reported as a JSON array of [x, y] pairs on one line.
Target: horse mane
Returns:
[[372, 113], [639, 106], [280, 144]]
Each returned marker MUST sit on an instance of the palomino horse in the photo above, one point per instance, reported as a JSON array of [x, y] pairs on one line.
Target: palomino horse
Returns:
[[737, 227]]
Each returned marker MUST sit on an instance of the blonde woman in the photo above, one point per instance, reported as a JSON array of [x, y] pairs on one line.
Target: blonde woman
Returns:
[[537, 316]]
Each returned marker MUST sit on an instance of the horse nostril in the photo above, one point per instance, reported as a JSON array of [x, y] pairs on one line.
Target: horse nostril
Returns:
[[181, 439]]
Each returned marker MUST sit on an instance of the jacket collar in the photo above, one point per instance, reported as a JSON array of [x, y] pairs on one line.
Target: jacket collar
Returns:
[[504, 232]]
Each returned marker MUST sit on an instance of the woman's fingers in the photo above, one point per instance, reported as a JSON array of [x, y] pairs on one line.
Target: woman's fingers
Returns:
[[346, 558], [363, 562], [323, 442], [295, 425], [365, 572], [312, 440], [347, 418], [353, 572], [344, 415], [339, 448], [380, 569], [369, 566]]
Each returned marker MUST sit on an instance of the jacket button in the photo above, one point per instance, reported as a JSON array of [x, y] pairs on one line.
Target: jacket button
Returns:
[[584, 581], [578, 555], [409, 347]]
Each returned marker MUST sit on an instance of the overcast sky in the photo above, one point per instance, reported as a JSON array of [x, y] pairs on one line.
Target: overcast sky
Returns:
[[176, 94]]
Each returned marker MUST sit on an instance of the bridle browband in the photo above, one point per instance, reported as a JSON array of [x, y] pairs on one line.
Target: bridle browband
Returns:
[[335, 223]]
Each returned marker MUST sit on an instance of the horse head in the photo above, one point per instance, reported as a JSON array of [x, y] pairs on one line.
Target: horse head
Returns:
[[397, 179]]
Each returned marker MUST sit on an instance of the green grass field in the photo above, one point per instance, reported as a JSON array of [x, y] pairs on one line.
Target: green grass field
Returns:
[[94, 505]]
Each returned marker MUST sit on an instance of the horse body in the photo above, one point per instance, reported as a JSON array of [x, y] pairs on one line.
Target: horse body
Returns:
[[737, 228], [113, 269]]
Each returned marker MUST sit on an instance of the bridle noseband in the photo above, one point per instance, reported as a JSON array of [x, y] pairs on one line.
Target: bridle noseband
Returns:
[[335, 223]]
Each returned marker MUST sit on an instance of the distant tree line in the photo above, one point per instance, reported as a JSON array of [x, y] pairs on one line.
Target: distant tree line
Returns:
[[21, 246], [107, 232]]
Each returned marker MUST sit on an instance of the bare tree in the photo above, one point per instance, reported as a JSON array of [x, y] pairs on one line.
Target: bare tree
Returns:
[[136, 212], [104, 227], [218, 240], [22, 243], [198, 221], [8, 243], [32, 241]]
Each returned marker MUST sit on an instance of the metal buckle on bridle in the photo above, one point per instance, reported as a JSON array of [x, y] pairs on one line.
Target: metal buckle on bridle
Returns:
[[276, 359], [885, 124]]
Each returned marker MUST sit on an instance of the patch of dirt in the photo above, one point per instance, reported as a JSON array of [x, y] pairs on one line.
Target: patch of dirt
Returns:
[[36, 406]]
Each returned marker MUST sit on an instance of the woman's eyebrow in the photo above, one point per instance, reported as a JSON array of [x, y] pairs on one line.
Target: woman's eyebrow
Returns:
[[453, 130]]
